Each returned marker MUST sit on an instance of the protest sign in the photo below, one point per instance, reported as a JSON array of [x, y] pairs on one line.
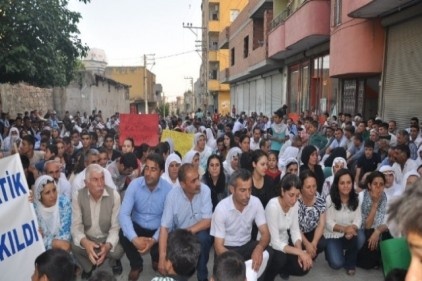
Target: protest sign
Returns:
[[182, 142], [20, 241], [143, 128]]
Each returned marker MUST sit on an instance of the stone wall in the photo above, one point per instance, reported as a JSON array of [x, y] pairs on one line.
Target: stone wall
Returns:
[[23, 97], [87, 92]]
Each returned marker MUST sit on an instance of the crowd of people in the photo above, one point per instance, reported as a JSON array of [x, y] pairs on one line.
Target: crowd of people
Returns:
[[272, 192]]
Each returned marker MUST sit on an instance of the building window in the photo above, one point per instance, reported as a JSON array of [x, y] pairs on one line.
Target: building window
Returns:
[[214, 46], [233, 15], [232, 54], [214, 11], [246, 47], [213, 73], [310, 87], [337, 12]]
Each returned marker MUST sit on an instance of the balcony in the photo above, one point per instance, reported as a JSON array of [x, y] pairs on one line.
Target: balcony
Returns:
[[376, 8], [213, 85], [223, 38], [225, 75], [214, 26], [213, 56], [299, 29], [258, 7]]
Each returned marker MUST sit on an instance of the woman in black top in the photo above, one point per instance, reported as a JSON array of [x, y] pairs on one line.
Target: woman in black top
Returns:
[[215, 179], [310, 162]]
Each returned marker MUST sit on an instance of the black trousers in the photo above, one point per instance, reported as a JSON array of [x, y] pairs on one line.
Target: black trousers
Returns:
[[282, 263], [134, 257]]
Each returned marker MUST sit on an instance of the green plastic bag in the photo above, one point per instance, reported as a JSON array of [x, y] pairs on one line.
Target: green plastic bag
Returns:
[[394, 254]]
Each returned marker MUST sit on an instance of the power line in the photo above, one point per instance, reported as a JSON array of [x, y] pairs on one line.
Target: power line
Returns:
[[175, 55]]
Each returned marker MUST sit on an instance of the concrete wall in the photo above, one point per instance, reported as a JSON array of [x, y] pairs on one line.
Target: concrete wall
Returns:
[[96, 92]]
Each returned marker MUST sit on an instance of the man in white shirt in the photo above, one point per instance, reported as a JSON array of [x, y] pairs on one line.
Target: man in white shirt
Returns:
[[52, 168], [92, 157], [256, 139], [232, 221]]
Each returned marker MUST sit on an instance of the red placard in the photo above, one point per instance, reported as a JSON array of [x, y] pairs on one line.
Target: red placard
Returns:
[[143, 128]]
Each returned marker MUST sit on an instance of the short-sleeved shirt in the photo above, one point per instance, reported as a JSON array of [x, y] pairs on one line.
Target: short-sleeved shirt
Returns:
[[368, 165], [234, 226], [180, 212], [309, 215]]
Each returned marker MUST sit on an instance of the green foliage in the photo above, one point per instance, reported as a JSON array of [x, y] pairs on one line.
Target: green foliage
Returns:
[[39, 42], [164, 108]]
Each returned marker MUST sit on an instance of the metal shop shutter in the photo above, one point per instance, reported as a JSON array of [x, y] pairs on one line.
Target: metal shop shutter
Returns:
[[403, 72]]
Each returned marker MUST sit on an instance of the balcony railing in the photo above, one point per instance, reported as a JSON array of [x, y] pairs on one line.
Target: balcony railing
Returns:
[[291, 7], [280, 18]]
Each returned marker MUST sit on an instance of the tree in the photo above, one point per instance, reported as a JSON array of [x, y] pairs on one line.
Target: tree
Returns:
[[39, 42], [163, 109]]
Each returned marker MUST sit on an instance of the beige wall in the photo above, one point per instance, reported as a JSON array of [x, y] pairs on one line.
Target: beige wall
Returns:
[[85, 93], [21, 97]]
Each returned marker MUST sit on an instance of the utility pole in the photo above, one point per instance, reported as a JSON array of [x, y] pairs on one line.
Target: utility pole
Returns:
[[146, 58], [193, 93], [164, 105]]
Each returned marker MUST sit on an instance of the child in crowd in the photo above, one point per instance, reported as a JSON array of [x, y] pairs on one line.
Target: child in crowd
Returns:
[[182, 256], [273, 170]]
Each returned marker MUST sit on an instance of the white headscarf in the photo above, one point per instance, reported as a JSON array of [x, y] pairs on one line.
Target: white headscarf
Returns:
[[406, 177], [171, 144], [227, 164], [211, 142], [9, 140], [395, 189], [188, 158], [204, 154], [50, 215], [329, 181], [173, 157], [289, 152]]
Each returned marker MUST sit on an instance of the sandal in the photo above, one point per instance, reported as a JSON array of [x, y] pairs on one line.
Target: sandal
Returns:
[[351, 272]]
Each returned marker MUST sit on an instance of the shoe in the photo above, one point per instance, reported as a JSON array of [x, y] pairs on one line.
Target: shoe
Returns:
[[86, 275], [117, 268], [351, 272], [134, 274], [284, 276], [155, 266]]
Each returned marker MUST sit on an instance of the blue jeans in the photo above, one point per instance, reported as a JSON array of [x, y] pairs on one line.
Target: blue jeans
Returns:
[[206, 242], [341, 252]]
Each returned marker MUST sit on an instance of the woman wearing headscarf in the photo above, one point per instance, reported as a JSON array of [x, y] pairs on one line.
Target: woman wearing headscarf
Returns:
[[309, 159], [53, 212], [192, 157], [409, 178], [211, 142], [12, 138], [292, 167], [391, 189], [172, 166], [199, 145], [338, 163], [232, 161]]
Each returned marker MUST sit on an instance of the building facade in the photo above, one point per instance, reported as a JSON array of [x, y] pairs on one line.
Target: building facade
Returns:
[[216, 16], [134, 76], [321, 56]]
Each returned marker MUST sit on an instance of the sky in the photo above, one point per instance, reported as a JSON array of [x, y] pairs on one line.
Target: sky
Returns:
[[128, 29]]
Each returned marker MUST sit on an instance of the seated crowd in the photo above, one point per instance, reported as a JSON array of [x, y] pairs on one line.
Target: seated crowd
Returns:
[[269, 194]]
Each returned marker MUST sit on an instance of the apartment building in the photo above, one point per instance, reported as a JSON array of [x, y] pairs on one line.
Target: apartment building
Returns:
[[216, 16], [337, 56]]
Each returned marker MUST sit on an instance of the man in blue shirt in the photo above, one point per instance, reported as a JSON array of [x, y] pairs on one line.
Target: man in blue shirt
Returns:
[[188, 206], [140, 215]]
